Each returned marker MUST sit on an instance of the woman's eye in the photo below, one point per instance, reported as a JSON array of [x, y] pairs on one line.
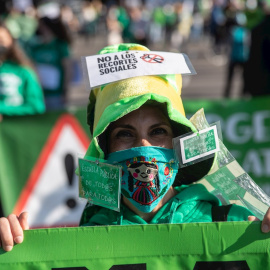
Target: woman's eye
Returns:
[[158, 131], [123, 133]]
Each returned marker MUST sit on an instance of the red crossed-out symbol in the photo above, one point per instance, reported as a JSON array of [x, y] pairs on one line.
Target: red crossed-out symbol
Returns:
[[152, 58]]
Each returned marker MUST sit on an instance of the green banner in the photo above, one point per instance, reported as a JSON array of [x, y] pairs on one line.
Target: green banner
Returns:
[[227, 245]]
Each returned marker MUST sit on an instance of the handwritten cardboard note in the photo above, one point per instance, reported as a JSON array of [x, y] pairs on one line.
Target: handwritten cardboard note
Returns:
[[100, 183]]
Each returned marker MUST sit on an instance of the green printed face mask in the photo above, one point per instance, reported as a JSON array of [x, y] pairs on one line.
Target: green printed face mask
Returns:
[[148, 173]]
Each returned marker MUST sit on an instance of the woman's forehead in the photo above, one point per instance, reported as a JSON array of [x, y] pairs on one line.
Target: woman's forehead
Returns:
[[144, 113]]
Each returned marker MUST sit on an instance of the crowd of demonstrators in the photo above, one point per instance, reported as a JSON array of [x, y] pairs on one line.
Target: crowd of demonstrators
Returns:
[[166, 26], [45, 32], [20, 91], [228, 24]]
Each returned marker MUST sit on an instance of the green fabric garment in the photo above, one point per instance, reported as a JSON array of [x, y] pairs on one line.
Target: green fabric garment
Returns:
[[20, 91], [191, 204], [48, 59]]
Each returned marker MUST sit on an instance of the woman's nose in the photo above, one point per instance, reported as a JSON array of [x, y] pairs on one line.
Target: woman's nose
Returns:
[[145, 142]]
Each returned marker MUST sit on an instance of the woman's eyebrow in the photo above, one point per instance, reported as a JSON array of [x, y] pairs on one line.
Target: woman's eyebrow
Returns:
[[127, 126], [113, 127], [160, 124]]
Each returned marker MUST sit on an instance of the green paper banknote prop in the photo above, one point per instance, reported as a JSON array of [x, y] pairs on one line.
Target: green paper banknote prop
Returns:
[[193, 147], [207, 140], [227, 179]]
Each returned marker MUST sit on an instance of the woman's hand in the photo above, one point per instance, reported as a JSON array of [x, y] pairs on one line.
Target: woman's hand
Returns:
[[265, 227], [11, 230]]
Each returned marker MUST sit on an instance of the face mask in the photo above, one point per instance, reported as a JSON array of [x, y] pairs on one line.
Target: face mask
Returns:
[[147, 174]]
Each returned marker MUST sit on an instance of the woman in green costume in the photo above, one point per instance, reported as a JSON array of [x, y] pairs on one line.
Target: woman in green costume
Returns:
[[133, 122]]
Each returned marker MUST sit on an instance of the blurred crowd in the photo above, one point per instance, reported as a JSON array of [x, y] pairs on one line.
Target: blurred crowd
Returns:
[[36, 39]]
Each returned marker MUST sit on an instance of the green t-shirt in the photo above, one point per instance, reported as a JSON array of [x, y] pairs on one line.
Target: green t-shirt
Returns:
[[20, 91], [48, 59]]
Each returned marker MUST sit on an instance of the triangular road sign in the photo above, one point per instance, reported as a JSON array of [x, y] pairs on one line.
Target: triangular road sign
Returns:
[[51, 192]]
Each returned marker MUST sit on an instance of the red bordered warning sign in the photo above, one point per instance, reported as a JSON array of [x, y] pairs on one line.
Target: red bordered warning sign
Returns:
[[50, 193]]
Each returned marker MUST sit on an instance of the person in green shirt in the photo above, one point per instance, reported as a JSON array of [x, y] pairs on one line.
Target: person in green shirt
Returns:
[[133, 122], [20, 91], [50, 51]]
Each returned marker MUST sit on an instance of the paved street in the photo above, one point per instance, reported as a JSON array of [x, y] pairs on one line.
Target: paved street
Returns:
[[208, 83]]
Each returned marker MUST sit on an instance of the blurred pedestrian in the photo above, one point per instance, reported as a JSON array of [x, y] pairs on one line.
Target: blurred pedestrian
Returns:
[[22, 22], [89, 17], [171, 22], [239, 50], [257, 72], [138, 27], [157, 26], [20, 91], [50, 51], [114, 26], [69, 19], [217, 26]]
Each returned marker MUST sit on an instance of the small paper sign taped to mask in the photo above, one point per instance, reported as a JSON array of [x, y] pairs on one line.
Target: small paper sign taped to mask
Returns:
[[100, 183], [112, 67], [199, 145]]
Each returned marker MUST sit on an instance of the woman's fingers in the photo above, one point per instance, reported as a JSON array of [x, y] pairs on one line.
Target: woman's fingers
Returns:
[[16, 229], [11, 230], [266, 222], [6, 236], [252, 218], [265, 227], [23, 219]]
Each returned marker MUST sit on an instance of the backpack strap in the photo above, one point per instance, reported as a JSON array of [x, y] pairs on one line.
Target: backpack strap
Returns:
[[220, 213]]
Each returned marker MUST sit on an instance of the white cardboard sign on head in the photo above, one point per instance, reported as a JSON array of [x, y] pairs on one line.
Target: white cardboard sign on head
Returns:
[[112, 67]]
